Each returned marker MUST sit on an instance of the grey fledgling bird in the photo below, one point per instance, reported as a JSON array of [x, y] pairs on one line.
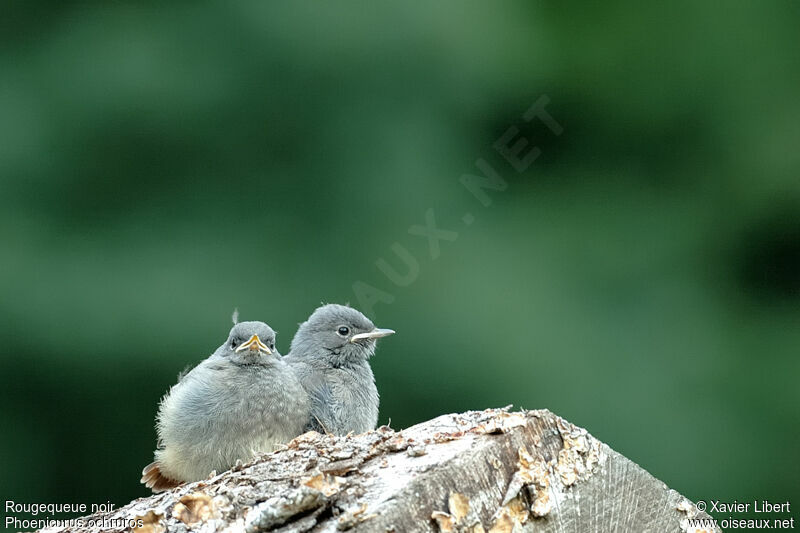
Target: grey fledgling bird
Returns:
[[329, 355], [241, 400]]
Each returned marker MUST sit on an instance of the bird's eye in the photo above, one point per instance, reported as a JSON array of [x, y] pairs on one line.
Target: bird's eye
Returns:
[[272, 346], [343, 331], [233, 344]]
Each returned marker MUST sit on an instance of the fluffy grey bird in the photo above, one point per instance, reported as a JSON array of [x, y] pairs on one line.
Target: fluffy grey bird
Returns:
[[329, 355], [241, 400]]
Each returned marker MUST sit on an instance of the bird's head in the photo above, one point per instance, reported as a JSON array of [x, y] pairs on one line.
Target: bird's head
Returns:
[[338, 334], [249, 343]]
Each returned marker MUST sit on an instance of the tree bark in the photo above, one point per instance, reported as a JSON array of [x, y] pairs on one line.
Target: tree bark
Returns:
[[481, 471]]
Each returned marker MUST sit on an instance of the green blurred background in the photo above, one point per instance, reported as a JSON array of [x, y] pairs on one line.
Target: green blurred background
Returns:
[[163, 164]]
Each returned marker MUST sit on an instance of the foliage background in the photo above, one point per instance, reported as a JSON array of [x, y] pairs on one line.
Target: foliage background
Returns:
[[163, 164]]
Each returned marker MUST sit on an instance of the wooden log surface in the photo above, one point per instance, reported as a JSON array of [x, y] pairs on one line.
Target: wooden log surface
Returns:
[[481, 471]]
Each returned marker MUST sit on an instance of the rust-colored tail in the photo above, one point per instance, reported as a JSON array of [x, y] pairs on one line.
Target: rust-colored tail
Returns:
[[154, 479]]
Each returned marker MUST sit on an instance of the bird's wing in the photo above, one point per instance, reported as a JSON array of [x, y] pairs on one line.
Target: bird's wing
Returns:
[[322, 420], [210, 363], [319, 392]]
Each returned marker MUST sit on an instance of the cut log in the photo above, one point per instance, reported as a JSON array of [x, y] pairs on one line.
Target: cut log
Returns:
[[481, 471]]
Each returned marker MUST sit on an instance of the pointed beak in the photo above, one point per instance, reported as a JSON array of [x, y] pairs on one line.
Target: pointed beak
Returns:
[[254, 344], [376, 333]]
